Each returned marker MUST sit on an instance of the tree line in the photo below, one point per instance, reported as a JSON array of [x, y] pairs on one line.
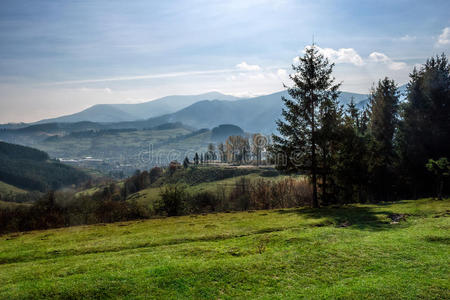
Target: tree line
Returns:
[[237, 149], [375, 154], [113, 202]]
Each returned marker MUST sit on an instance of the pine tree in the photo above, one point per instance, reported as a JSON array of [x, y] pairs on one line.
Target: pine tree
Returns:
[[186, 162], [196, 158], [330, 120], [425, 131], [350, 165], [313, 84], [353, 113], [384, 104]]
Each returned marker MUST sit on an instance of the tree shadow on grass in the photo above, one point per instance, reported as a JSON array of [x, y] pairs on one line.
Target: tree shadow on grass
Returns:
[[363, 218]]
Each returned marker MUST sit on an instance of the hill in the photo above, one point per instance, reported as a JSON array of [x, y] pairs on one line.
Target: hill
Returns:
[[353, 252], [253, 115], [96, 113], [31, 169], [130, 112], [117, 147], [7, 189]]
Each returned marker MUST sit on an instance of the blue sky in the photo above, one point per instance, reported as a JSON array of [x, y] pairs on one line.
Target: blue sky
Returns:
[[58, 57]]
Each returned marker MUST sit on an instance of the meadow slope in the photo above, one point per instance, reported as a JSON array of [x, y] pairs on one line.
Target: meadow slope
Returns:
[[385, 251]]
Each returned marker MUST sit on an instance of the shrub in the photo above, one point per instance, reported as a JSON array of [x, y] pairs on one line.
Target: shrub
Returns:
[[173, 200]]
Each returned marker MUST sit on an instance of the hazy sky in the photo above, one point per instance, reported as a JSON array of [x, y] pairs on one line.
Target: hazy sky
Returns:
[[58, 57]]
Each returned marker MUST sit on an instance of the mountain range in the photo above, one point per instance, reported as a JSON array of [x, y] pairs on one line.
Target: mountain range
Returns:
[[107, 113], [253, 114], [208, 110]]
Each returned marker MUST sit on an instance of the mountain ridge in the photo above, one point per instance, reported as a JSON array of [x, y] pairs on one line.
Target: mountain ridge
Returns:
[[256, 114], [109, 113]]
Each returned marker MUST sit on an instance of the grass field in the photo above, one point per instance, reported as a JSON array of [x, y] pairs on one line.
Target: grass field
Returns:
[[352, 252]]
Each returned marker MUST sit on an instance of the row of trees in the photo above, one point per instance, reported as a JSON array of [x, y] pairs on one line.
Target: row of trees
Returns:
[[243, 194], [237, 149], [376, 154], [109, 204]]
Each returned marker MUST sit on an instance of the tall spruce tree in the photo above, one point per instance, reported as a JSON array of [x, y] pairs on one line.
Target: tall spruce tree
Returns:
[[298, 143], [383, 107], [350, 168], [329, 134], [425, 130]]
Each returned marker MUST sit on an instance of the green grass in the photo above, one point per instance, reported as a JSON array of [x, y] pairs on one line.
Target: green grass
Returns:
[[290, 253], [6, 189]]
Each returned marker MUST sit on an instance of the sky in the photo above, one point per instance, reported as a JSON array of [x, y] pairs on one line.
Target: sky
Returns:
[[59, 57]]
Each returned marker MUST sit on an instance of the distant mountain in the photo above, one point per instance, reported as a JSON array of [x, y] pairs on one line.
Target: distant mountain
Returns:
[[255, 114], [96, 113], [168, 104], [107, 113]]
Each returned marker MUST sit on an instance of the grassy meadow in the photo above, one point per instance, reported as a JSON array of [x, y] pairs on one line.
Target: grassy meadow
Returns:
[[386, 251]]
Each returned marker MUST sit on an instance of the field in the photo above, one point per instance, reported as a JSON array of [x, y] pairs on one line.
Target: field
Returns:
[[396, 251]]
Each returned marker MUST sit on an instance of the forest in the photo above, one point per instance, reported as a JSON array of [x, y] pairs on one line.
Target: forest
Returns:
[[33, 170]]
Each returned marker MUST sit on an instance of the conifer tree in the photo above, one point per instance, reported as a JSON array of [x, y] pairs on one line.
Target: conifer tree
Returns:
[[383, 107], [186, 162], [425, 130], [312, 85]]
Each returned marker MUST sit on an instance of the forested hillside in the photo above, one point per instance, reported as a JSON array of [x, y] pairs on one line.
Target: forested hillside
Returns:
[[31, 169]]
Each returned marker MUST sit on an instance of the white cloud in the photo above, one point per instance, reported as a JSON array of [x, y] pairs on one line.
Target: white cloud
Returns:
[[342, 55], [350, 56], [383, 58], [246, 67], [379, 57], [444, 38]]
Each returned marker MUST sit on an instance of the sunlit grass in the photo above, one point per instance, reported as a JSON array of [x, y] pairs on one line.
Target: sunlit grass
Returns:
[[350, 252]]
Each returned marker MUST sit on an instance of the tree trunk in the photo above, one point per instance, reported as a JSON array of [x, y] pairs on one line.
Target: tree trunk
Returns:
[[440, 188], [324, 177], [315, 202]]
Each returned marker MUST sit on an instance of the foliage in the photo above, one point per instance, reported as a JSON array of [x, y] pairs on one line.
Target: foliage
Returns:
[[441, 169], [313, 95], [376, 154], [425, 128], [383, 123], [173, 200]]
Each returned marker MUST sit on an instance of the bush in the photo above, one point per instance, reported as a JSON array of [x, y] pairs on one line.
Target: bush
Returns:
[[173, 200]]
